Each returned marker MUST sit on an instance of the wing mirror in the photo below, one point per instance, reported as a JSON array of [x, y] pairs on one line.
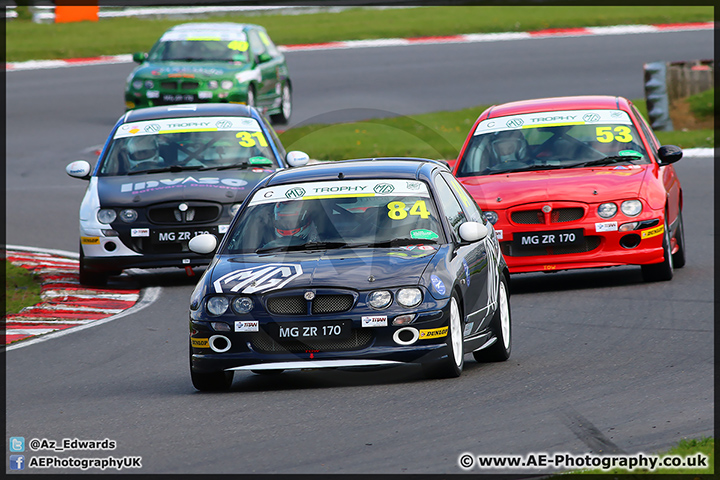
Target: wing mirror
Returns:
[[669, 154], [473, 231], [297, 158], [79, 169], [203, 244], [139, 57]]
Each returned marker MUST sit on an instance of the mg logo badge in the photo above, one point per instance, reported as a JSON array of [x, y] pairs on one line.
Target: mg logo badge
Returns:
[[383, 188], [262, 278], [295, 193], [591, 117], [153, 128], [223, 124], [515, 123]]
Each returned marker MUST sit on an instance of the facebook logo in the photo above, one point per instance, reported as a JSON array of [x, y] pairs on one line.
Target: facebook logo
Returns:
[[17, 462], [17, 444]]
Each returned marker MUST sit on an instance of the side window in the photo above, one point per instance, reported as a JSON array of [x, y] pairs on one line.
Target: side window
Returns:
[[647, 131], [256, 45], [469, 206], [271, 48], [275, 139], [450, 205]]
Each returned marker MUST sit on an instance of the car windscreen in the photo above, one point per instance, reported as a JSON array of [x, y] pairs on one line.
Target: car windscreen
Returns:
[[552, 140], [191, 46], [193, 143], [337, 214]]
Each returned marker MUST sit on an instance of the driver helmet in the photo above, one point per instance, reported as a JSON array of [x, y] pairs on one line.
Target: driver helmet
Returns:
[[509, 146], [143, 149], [291, 219]]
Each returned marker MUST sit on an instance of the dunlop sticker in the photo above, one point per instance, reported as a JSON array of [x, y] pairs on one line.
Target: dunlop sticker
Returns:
[[200, 342], [433, 333], [653, 232], [90, 240]]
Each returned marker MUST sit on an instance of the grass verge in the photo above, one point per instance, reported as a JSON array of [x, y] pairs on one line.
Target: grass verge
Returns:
[[22, 288], [114, 36]]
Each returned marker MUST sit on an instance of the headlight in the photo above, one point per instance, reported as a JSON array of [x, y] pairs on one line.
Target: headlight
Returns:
[[631, 208], [129, 215], [226, 84], [149, 84], [607, 210], [379, 299], [491, 216], [409, 297], [242, 305], [217, 305], [212, 84], [106, 215], [234, 208], [137, 84]]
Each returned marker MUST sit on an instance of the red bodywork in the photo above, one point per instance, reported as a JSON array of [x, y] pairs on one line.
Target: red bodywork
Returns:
[[571, 198]]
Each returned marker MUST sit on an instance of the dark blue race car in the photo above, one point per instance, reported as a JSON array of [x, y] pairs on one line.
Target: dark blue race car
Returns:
[[361, 263], [165, 175]]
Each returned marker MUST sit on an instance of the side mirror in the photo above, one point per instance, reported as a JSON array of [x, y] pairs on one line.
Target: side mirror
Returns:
[[669, 154], [203, 244], [297, 158], [79, 169], [473, 231], [139, 57], [264, 57]]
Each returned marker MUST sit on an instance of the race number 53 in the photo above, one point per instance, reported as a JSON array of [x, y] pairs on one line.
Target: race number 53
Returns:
[[608, 134]]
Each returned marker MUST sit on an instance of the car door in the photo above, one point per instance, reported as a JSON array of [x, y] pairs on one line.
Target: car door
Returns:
[[267, 88], [469, 262]]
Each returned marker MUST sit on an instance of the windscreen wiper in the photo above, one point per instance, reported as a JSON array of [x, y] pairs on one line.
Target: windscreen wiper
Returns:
[[171, 168], [302, 246], [606, 160]]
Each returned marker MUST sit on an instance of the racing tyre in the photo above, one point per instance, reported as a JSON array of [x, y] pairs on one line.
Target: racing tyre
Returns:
[[679, 256], [663, 271], [90, 277], [285, 106], [501, 326], [452, 366]]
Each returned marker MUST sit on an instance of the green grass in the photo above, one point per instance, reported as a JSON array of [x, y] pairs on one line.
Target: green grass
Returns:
[[22, 288], [113, 36], [685, 448], [429, 135], [702, 105]]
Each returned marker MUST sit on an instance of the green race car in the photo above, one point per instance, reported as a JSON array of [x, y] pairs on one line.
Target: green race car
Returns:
[[213, 62]]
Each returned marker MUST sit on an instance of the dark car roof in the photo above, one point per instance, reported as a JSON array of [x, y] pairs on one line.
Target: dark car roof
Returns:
[[182, 110], [580, 102], [393, 167]]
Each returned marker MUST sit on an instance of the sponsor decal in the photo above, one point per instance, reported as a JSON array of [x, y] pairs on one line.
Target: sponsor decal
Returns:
[[499, 234], [629, 153], [467, 272], [90, 240], [564, 117], [653, 232], [182, 182], [437, 284], [261, 278], [178, 125], [247, 326], [375, 321], [423, 234], [433, 333], [383, 188], [549, 267], [606, 227], [295, 193], [140, 232], [515, 123], [200, 342], [414, 186]]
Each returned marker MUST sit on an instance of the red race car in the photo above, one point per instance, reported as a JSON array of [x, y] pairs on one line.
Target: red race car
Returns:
[[576, 182]]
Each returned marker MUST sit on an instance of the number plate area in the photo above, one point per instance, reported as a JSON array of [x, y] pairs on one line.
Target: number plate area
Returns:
[[548, 239], [335, 329], [177, 235]]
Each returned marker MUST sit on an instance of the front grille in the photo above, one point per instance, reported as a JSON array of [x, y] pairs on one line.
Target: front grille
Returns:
[[171, 215], [589, 244], [297, 305], [168, 85], [189, 85], [527, 217], [359, 339], [536, 217]]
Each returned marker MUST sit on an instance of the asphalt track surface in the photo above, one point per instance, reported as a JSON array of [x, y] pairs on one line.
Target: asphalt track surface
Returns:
[[601, 362]]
